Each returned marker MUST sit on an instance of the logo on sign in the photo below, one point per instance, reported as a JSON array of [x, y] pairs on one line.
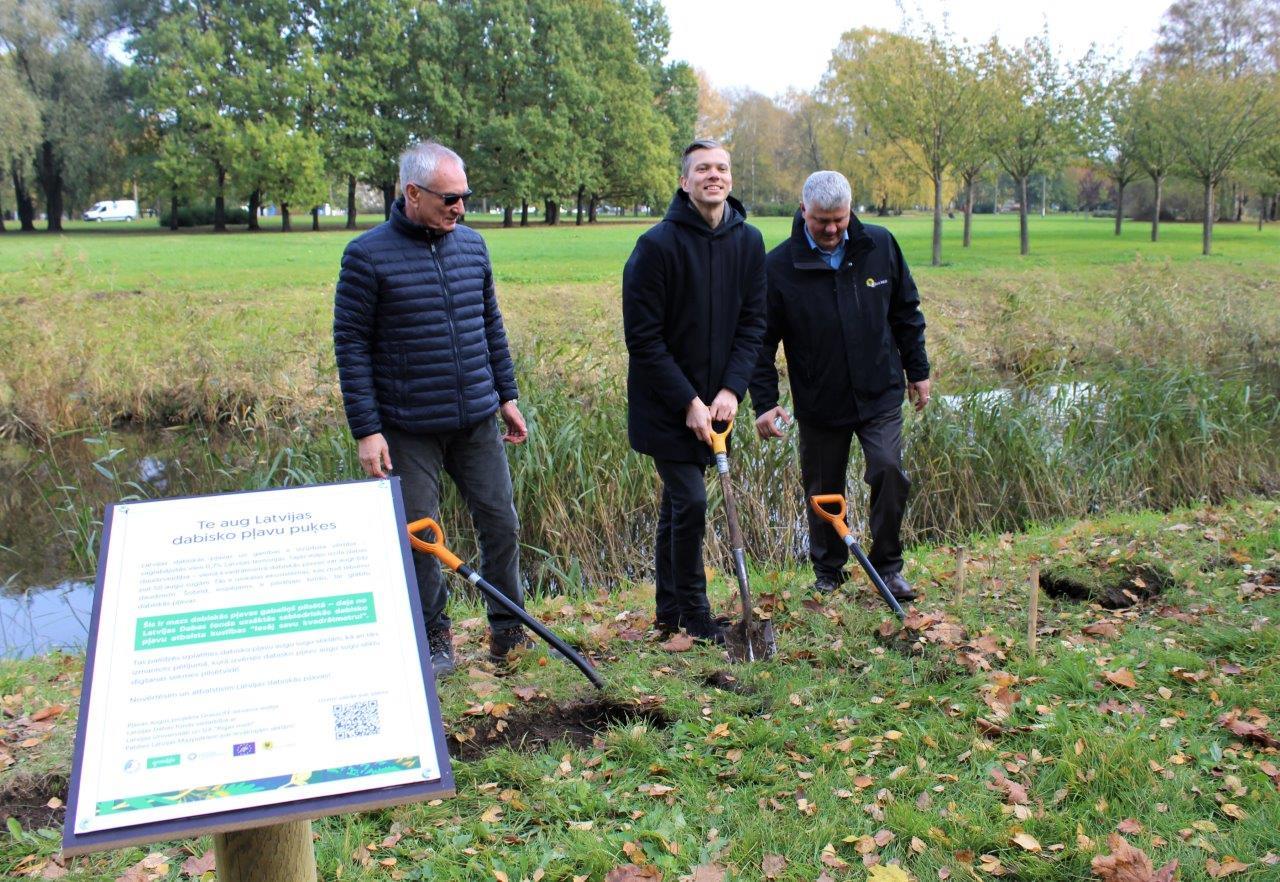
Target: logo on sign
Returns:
[[245, 749]]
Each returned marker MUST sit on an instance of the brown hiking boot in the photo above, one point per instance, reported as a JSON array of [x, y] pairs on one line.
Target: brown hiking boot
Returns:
[[503, 640]]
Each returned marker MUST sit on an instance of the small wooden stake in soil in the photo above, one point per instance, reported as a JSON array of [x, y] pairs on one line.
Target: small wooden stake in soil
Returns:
[[1033, 610], [960, 564], [280, 853]]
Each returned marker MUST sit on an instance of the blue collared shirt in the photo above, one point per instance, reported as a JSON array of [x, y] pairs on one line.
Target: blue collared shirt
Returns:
[[834, 258]]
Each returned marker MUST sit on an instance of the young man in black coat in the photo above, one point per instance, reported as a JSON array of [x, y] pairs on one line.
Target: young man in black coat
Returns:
[[693, 312], [842, 302]]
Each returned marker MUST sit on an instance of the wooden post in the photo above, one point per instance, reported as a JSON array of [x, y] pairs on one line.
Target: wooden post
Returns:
[[1033, 610], [280, 853], [960, 566]]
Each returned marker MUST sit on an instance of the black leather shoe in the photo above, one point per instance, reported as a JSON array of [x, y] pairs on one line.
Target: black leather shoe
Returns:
[[440, 641], [899, 587], [825, 585], [704, 628]]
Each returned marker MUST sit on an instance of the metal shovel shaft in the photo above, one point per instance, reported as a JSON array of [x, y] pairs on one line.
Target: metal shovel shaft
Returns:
[[739, 552], [875, 577]]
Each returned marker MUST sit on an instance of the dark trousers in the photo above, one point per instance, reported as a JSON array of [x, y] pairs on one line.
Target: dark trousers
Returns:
[[824, 462], [679, 576], [475, 460]]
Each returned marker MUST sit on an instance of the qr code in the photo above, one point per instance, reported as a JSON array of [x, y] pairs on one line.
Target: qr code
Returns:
[[356, 720]]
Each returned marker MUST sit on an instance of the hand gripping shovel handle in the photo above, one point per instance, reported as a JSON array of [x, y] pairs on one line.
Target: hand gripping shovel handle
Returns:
[[720, 447], [836, 520], [437, 548]]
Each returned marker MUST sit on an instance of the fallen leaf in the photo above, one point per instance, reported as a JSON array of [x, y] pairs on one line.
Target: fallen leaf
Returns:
[[773, 865], [1027, 841], [46, 712], [491, 814], [1252, 731], [887, 873], [526, 693], [708, 873], [1129, 864], [679, 643], [1121, 677], [1228, 867], [1130, 826], [633, 873], [196, 867]]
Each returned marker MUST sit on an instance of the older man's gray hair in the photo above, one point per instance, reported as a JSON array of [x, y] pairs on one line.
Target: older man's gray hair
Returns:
[[699, 144], [826, 191], [418, 164]]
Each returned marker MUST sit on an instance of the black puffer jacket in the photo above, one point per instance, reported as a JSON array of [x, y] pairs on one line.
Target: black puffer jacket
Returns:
[[417, 332], [693, 313], [849, 334]]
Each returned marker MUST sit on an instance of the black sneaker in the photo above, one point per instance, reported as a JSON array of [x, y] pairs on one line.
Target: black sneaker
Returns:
[[440, 641], [825, 585], [503, 640], [899, 587], [666, 627], [703, 628]]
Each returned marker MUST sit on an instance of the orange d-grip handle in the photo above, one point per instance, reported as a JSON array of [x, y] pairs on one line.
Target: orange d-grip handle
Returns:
[[834, 518], [436, 546], [718, 444]]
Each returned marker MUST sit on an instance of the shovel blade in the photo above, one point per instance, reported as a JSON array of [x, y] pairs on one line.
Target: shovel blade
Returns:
[[751, 644]]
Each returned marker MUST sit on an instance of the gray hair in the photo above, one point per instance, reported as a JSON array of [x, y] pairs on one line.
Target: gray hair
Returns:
[[826, 190], [700, 144], [418, 164]]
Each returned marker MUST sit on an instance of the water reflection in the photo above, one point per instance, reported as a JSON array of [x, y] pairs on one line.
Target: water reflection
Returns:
[[43, 619]]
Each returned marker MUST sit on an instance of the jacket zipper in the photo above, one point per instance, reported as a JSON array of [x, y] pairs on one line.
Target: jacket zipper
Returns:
[[453, 335]]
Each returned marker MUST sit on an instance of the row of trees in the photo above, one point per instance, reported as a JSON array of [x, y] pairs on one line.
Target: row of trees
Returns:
[[274, 100], [895, 109]]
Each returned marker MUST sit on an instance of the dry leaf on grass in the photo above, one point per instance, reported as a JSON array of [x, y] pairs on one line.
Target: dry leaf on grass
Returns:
[[1250, 731], [633, 873], [1027, 841], [196, 867], [1122, 677], [708, 873], [887, 873], [679, 643], [773, 865], [153, 866], [1228, 867], [1129, 864]]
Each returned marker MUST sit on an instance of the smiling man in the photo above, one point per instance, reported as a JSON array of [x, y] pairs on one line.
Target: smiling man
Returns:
[[424, 367], [693, 314], [844, 306]]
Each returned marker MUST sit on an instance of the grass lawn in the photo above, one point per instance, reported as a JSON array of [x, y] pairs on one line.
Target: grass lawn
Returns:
[[946, 748]]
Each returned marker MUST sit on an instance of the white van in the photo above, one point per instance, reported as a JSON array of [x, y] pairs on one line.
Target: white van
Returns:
[[113, 210]]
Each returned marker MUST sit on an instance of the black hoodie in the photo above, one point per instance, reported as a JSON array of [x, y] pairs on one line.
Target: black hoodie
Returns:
[[693, 314]]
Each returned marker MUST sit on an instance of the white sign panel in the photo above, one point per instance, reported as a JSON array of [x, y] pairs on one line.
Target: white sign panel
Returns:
[[250, 650]]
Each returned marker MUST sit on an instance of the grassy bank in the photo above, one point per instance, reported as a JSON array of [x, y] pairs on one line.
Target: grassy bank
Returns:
[[948, 748]]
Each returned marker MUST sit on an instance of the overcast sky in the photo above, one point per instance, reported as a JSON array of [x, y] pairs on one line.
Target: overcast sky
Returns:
[[770, 47]]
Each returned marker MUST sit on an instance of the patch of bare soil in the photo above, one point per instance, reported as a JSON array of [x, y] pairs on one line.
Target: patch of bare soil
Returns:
[[26, 799], [534, 727], [1115, 588]]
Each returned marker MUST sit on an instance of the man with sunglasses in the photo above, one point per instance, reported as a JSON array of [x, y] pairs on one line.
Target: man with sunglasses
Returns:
[[424, 367]]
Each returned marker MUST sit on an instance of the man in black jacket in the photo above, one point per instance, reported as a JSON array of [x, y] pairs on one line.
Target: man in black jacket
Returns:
[[424, 366], [693, 313], [842, 302]]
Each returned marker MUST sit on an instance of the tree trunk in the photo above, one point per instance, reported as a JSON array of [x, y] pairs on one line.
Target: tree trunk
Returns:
[[591, 211], [255, 207], [315, 219], [173, 211], [1262, 211], [51, 183], [524, 212], [1024, 240], [1207, 238], [508, 216], [937, 220], [1044, 195], [582, 193], [220, 203], [551, 211], [351, 202], [388, 199], [969, 186], [1119, 205], [22, 198], [285, 225], [1155, 218]]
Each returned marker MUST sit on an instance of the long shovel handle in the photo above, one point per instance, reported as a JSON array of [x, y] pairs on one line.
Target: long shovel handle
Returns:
[[437, 548], [820, 505], [720, 447]]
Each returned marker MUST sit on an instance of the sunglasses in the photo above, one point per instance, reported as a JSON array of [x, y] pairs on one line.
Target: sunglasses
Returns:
[[446, 198]]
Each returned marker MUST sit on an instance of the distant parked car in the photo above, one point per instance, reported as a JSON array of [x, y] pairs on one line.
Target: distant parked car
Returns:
[[113, 210]]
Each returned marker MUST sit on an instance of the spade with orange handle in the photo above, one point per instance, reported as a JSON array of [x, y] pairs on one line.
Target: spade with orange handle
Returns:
[[820, 505], [436, 547]]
